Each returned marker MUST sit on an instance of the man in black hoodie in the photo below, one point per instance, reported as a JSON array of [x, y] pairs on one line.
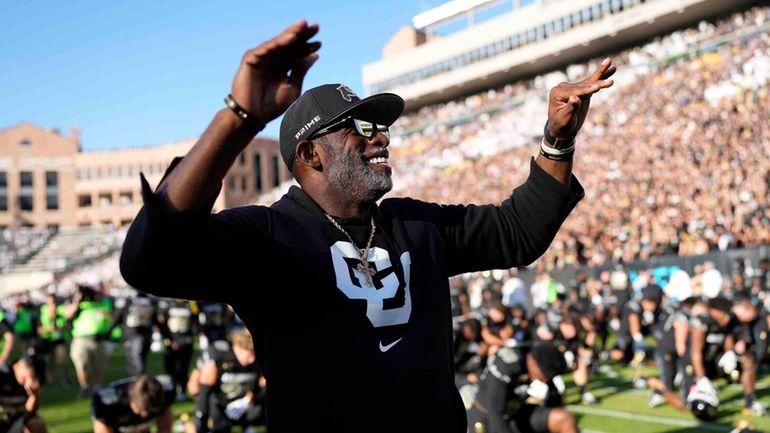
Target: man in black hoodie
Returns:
[[376, 354]]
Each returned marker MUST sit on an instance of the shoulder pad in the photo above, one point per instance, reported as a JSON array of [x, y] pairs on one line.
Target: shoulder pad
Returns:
[[634, 306], [108, 396], [221, 346], [508, 355], [219, 351], [699, 322], [165, 381]]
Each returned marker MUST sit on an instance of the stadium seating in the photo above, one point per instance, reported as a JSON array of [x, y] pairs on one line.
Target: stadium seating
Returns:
[[672, 158]]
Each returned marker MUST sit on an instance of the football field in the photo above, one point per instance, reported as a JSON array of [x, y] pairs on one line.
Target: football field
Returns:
[[620, 407]]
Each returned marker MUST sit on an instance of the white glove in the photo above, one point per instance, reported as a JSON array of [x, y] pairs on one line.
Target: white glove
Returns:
[[558, 382], [521, 390], [704, 390], [235, 409], [538, 390], [704, 384], [569, 358], [728, 362]]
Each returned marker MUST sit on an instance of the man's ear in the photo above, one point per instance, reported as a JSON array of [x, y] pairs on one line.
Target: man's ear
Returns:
[[307, 154]]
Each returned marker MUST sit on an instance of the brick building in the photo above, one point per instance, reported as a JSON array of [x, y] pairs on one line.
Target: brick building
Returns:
[[47, 181]]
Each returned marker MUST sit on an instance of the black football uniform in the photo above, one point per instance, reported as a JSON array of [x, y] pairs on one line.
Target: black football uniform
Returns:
[[466, 352], [563, 312], [213, 320], [177, 326], [13, 397], [650, 322], [662, 330], [714, 346], [235, 383], [138, 321], [502, 404], [761, 337], [111, 407]]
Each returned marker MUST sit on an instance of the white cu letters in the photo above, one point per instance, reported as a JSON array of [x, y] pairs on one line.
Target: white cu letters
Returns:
[[374, 297]]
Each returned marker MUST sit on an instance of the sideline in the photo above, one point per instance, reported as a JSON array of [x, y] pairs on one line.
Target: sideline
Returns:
[[646, 418]]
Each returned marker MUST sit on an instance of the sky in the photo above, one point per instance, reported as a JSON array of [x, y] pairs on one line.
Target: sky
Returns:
[[139, 73]]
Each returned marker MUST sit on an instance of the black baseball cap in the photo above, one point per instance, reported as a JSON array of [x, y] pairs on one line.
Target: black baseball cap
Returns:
[[324, 105]]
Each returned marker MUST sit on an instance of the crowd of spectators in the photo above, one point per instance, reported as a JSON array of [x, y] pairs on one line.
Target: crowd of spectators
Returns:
[[673, 158], [103, 274], [18, 244]]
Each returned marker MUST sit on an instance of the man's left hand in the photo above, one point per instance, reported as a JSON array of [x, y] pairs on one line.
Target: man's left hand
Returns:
[[568, 102]]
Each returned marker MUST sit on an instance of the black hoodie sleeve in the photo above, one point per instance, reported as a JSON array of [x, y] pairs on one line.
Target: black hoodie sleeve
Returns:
[[191, 254], [514, 233]]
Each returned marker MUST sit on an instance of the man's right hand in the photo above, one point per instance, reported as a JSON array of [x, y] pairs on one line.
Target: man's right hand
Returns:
[[269, 78]]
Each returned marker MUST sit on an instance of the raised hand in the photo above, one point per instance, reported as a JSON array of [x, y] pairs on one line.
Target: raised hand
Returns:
[[270, 76], [568, 102]]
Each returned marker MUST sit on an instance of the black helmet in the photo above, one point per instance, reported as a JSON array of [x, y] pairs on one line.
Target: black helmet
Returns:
[[703, 410], [703, 400]]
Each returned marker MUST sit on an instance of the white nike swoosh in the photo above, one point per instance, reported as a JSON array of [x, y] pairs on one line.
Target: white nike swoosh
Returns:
[[384, 349]]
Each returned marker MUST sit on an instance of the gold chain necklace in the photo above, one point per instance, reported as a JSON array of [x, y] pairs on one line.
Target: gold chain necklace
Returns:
[[363, 266]]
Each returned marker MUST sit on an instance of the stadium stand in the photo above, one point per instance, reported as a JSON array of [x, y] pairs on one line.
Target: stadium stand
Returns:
[[685, 169], [68, 248], [16, 246]]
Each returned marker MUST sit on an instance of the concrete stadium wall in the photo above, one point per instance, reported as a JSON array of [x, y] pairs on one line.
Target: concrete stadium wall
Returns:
[[22, 282]]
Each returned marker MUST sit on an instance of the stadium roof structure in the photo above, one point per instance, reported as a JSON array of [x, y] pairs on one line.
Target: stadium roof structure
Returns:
[[453, 10], [526, 41]]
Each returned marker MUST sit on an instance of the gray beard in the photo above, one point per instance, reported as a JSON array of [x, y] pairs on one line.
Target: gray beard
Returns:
[[350, 174]]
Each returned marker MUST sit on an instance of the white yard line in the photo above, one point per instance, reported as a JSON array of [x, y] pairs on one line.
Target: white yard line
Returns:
[[646, 418]]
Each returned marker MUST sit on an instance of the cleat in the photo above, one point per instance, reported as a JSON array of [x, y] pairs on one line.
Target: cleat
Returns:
[[756, 409], [656, 400], [640, 383], [587, 398]]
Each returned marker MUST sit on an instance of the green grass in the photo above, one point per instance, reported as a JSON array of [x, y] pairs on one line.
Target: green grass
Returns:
[[621, 408], [64, 413]]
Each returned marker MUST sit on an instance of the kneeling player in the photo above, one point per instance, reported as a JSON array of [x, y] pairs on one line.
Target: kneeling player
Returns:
[[230, 392], [532, 379], [19, 396], [132, 405], [702, 400], [713, 348]]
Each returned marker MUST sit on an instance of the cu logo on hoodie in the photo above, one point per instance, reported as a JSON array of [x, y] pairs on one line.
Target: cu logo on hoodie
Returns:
[[347, 93], [386, 283]]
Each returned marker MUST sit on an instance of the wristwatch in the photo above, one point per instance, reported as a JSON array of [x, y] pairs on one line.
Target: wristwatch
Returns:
[[557, 142]]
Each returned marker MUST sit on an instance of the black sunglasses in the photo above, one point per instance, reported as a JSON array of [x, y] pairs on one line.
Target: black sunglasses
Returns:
[[362, 127]]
